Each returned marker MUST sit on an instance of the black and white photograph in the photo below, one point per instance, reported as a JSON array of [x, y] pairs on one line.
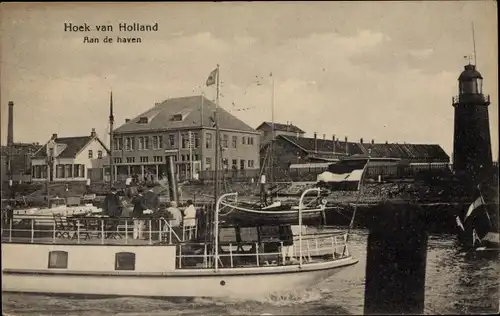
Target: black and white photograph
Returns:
[[249, 158]]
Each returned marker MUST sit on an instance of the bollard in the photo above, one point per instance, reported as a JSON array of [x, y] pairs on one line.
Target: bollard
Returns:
[[396, 259]]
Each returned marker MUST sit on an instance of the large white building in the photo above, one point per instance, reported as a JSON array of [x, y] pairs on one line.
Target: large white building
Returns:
[[70, 159]]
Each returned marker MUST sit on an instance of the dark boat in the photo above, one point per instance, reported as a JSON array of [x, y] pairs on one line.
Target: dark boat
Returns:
[[276, 213]]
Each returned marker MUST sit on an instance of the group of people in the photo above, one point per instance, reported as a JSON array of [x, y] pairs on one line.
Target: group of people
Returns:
[[146, 204]]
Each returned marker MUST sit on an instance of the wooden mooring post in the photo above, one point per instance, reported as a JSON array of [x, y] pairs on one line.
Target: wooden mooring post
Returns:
[[396, 259]]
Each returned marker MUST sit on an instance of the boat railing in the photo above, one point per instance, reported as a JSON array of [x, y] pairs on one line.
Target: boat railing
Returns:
[[315, 247], [94, 230]]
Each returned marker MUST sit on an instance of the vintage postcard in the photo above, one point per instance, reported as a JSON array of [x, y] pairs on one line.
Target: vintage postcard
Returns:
[[249, 158]]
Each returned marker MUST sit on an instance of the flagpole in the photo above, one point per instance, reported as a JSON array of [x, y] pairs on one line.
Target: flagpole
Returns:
[[217, 139], [271, 173], [357, 198], [201, 110], [111, 122]]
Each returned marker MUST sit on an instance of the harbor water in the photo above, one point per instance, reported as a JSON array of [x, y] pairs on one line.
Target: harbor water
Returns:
[[456, 283]]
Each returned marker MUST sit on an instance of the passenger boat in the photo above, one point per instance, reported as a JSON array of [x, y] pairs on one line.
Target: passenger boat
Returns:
[[165, 265]]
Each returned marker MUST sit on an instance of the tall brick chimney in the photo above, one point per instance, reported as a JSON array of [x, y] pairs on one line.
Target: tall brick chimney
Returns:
[[333, 145], [315, 142], [361, 140], [93, 133], [10, 125], [346, 147], [324, 136], [373, 141]]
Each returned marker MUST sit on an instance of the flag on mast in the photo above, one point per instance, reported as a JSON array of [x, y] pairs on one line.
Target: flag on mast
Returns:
[[478, 202], [344, 175], [212, 78]]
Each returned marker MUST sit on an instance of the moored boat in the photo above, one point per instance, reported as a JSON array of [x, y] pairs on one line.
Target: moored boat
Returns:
[[165, 265]]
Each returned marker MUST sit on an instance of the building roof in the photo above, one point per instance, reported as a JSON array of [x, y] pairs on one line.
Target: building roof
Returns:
[[470, 72], [282, 127], [185, 112], [322, 145], [401, 151], [74, 145], [20, 149]]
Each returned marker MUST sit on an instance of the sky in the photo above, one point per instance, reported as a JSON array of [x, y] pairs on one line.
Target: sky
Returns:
[[374, 70]]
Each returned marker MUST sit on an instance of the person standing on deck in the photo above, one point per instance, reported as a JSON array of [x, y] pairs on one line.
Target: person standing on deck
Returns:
[[139, 207], [113, 208], [153, 204], [189, 224]]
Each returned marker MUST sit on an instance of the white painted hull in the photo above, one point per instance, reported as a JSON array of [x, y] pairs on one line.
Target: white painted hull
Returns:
[[236, 282]]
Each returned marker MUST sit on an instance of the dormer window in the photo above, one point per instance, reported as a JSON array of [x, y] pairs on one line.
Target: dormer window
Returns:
[[142, 120], [181, 115], [177, 117]]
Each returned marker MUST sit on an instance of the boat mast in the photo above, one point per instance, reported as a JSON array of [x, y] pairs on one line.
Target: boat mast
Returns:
[[271, 160], [217, 140], [111, 122]]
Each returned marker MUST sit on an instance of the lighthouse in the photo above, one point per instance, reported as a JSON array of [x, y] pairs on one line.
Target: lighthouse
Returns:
[[471, 141]]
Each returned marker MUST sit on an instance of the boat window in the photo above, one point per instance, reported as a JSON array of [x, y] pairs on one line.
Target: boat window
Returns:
[[268, 233], [227, 235], [249, 234], [125, 261], [58, 260]]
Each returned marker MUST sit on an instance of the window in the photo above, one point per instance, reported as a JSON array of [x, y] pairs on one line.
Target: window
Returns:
[[76, 171], [125, 261], [235, 163], [129, 143], [143, 142], [242, 164], [234, 141], [91, 155], [58, 259], [250, 140], [196, 139], [208, 163], [250, 164], [130, 159], [157, 142], [225, 140], [196, 157], [182, 157], [185, 140], [243, 140], [117, 160], [225, 163], [118, 144], [158, 158], [208, 143], [60, 171], [68, 171], [171, 140], [144, 159], [99, 154]]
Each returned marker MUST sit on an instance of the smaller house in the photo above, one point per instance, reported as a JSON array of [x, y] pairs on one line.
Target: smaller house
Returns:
[[70, 159], [287, 129]]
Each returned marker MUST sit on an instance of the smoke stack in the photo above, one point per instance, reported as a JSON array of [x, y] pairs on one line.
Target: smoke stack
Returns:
[[315, 142], [346, 147], [127, 120], [324, 136], [92, 134], [386, 142], [361, 140], [10, 131], [333, 139], [54, 136], [373, 141]]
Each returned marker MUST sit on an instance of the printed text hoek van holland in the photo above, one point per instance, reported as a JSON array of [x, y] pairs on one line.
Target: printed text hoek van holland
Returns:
[[122, 27]]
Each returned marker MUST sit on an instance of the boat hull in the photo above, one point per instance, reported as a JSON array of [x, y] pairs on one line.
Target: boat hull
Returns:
[[234, 282]]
